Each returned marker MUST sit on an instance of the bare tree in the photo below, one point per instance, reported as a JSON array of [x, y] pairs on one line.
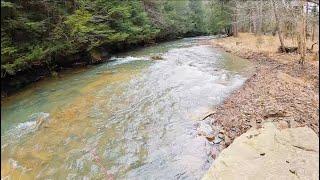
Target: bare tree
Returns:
[[278, 26], [302, 41], [235, 19]]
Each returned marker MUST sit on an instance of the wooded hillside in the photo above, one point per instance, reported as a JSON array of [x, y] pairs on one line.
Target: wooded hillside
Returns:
[[35, 32]]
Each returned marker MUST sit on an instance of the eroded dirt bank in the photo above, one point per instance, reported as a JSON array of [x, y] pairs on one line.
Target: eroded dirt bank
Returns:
[[281, 90]]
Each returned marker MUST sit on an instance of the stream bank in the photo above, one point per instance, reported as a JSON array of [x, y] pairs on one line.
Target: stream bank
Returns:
[[281, 90]]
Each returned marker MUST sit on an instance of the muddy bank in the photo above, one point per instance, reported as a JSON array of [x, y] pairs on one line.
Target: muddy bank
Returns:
[[279, 91]]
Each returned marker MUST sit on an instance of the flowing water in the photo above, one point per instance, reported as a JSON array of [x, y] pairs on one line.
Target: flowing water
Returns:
[[132, 118]]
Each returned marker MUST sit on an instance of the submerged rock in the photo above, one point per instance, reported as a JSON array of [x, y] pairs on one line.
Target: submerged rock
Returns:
[[42, 119], [156, 57], [217, 140], [267, 153], [204, 129]]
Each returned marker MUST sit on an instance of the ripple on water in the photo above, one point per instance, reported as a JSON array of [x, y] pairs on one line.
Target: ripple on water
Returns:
[[131, 118]]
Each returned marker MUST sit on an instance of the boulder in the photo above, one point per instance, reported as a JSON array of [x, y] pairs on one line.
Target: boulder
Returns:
[[157, 57], [269, 153], [99, 55]]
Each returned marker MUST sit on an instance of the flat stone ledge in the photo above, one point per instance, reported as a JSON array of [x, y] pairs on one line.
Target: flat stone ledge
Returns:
[[269, 153]]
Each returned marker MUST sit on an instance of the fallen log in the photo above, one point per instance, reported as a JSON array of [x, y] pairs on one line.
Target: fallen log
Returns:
[[287, 49]]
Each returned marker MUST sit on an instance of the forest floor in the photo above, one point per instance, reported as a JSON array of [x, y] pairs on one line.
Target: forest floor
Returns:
[[281, 90]]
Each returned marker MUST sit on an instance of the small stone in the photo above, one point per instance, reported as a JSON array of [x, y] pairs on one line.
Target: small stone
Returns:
[[204, 130], [227, 141], [212, 121], [221, 136], [217, 141], [210, 137], [262, 154]]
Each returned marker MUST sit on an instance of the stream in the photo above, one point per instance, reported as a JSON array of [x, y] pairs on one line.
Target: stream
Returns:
[[131, 118]]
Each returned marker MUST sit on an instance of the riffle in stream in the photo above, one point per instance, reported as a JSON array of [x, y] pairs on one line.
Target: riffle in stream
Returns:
[[132, 118]]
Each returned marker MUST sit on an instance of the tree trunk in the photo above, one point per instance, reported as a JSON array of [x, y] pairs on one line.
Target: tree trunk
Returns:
[[234, 26], [278, 26], [250, 22], [259, 16], [306, 20], [254, 21], [313, 30], [302, 34], [234, 21]]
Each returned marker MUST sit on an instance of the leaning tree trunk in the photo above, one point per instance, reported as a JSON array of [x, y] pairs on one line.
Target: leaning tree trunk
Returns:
[[282, 47]]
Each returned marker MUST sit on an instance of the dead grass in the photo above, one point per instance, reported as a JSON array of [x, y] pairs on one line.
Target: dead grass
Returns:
[[265, 44]]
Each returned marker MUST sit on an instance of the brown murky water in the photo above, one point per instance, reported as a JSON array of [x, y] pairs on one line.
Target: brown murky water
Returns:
[[132, 118]]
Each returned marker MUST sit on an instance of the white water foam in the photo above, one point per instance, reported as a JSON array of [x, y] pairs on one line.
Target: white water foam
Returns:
[[27, 127], [127, 59]]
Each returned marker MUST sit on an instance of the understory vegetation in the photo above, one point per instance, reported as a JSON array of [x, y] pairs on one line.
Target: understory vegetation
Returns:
[[37, 32]]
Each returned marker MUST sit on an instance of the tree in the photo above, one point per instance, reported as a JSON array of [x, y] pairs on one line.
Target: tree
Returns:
[[282, 46], [301, 29], [197, 16], [314, 16]]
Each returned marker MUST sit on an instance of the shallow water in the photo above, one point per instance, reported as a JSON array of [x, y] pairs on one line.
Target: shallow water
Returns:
[[132, 118]]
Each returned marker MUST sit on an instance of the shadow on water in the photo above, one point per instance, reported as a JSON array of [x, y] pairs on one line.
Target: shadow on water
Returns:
[[132, 118]]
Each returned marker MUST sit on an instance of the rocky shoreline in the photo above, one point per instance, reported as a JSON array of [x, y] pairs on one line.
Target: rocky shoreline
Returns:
[[279, 91]]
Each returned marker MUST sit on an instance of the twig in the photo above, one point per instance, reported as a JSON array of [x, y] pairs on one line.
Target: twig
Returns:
[[208, 116]]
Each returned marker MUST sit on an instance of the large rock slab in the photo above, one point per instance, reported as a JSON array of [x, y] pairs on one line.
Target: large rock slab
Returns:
[[269, 153]]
